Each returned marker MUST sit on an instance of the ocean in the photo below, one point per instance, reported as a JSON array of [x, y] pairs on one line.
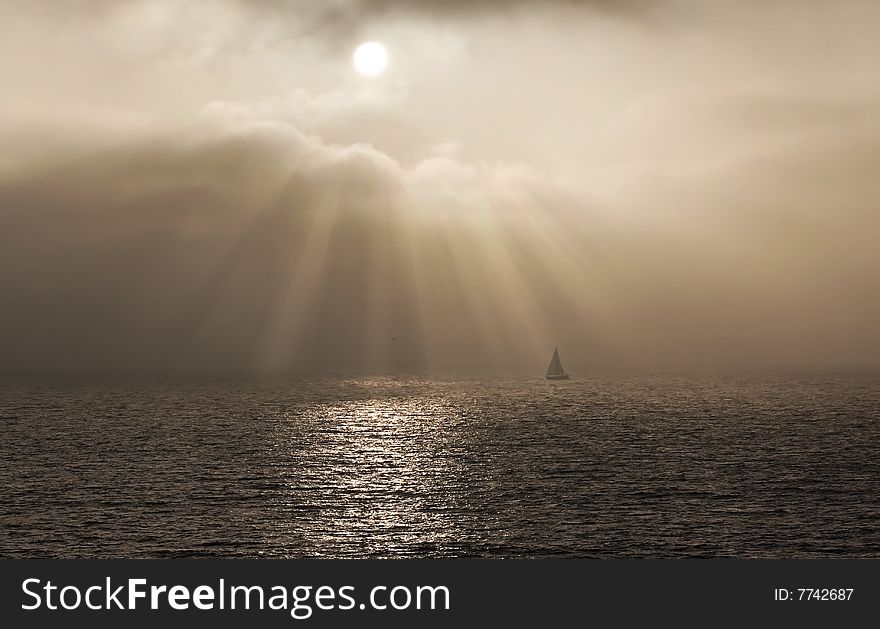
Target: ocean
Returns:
[[419, 467]]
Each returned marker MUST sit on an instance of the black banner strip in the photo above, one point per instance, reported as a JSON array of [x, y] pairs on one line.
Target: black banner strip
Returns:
[[429, 593]]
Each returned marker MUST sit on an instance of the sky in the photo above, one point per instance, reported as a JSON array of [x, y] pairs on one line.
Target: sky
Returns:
[[211, 187]]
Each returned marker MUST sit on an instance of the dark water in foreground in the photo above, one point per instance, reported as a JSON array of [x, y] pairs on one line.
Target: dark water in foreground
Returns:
[[414, 467]]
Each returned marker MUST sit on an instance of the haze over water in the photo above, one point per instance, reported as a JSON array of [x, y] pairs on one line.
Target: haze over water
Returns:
[[394, 467]]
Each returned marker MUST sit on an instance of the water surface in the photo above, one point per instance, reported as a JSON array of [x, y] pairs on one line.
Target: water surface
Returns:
[[395, 467]]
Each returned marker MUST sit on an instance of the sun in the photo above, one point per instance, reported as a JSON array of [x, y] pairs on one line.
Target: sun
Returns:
[[370, 59]]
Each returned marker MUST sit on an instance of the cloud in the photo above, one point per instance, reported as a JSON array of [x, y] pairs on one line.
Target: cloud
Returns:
[[343, 21], [359, 9], [254, 248], [239, 247], [210, 189]]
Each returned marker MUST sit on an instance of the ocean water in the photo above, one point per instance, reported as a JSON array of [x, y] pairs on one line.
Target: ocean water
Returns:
[[410, 467]]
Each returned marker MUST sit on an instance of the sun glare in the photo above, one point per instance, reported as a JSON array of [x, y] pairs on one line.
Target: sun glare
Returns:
[[370, 59]]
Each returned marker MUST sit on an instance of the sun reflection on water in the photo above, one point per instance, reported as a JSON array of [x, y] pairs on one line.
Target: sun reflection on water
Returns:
[[376, 477]]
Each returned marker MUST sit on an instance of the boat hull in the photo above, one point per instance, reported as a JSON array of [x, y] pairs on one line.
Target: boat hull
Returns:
[[561, 376]]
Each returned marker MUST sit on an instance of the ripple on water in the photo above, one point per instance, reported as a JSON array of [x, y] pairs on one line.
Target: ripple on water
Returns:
[[389, 467]]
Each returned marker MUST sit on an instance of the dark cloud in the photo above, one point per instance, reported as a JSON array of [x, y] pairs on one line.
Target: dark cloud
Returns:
[[445, 7], [167, 255], [266, 251], [348, 18]]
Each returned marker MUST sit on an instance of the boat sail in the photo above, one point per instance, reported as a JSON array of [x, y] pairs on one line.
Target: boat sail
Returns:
[[555, 370]]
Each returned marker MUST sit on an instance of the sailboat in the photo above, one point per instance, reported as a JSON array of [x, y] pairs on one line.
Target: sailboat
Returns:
[[555, 370]]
